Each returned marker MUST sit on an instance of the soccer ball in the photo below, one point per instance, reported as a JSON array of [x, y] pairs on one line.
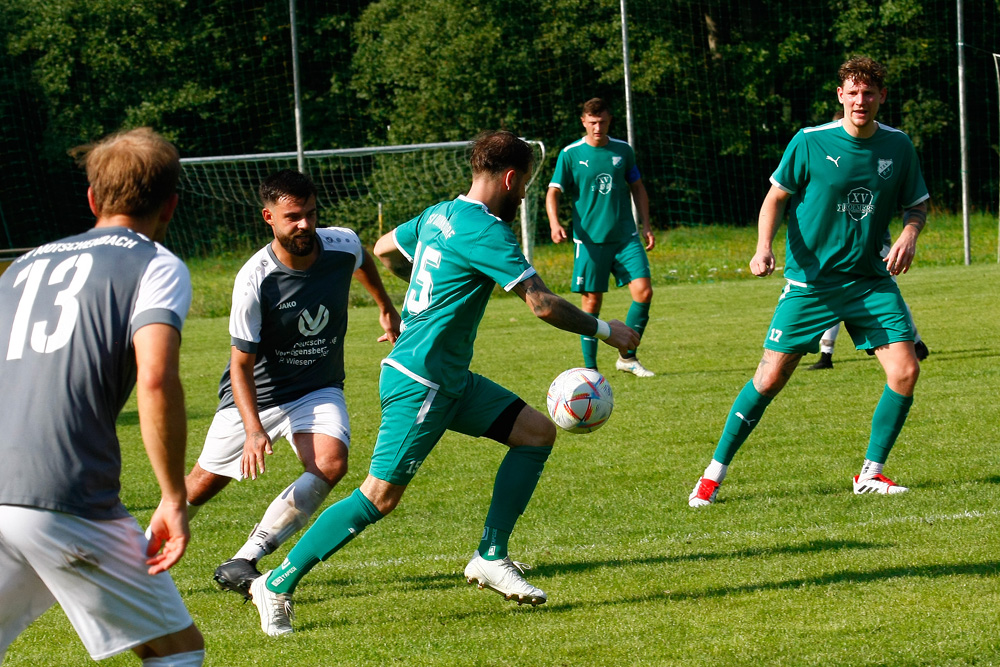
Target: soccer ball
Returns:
[[580, 400]]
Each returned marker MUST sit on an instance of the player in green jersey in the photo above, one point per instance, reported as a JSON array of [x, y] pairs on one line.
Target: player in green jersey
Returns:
[[842, 183], [602, 175], [452, 254]]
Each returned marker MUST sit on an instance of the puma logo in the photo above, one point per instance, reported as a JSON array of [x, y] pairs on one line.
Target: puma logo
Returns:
[[584, 163], [836, 162]]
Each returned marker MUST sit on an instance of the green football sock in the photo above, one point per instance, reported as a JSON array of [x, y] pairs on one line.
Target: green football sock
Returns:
[[589, 346], [336, 526], [515, 482], [743, 417], [493, 545], [887, 422], [637, 318]]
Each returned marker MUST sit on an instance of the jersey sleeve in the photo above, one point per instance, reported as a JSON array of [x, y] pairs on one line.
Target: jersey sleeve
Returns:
[[631, 168], [245, 316], [164, 295], [562, 178], [497, 255], [344, 240], [405, 237], [914, 189], [790, 175]]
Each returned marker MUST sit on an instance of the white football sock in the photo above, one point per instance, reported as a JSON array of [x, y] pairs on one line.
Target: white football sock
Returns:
[[870, 469], [287, 513], [716, 471]]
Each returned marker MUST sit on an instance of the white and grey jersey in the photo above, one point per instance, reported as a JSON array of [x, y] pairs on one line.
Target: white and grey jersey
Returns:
[[293, 321], [68, 311]]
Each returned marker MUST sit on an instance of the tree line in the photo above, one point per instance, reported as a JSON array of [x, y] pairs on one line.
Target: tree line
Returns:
[[719, 86]]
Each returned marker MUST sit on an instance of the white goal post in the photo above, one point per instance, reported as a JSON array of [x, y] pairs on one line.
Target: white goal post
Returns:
[[996, 66], [362, 188]]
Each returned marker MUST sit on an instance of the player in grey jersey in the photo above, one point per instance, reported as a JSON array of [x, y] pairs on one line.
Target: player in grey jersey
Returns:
[[285, 376], [82, 322]]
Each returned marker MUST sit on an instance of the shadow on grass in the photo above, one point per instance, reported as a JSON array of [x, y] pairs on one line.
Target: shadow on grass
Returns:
[[450, 580], [446, 580], [989, 568]]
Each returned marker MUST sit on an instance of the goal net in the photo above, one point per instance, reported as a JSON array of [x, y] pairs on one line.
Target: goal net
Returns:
[[370, 190]]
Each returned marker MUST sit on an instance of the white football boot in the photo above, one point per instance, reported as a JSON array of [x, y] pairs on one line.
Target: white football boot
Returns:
[[878, 483], [704, 493], [275, 608], [634, 367], [504, 577]]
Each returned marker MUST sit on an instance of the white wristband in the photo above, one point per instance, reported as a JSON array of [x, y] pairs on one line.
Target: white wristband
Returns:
[[603, 329]]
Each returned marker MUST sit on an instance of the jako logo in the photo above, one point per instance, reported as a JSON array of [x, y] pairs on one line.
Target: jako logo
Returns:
[[310, 326]]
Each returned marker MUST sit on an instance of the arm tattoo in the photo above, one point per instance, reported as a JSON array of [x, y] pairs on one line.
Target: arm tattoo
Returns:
[[916, 217]]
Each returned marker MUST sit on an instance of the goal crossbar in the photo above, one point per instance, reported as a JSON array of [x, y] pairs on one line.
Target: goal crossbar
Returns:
[[291, 157]]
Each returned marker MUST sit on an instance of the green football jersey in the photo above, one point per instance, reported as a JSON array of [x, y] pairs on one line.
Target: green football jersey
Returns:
[[845, 192], [459, 252], [598, 177]]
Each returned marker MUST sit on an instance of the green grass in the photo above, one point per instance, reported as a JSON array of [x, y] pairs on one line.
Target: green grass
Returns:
[[682, 255], [788, 568]]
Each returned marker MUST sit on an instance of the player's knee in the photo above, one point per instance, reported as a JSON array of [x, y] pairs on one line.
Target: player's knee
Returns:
[[201, 485], [643, 293], [186, 647], [331, 469], [904, 376], [383, 495], [532, 429], [543, 435]]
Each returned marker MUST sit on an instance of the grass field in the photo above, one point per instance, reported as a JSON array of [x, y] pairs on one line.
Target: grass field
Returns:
[[788, 568]]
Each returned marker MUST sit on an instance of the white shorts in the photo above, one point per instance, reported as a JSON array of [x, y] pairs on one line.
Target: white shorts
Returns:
[[322, 411], [95, 570]]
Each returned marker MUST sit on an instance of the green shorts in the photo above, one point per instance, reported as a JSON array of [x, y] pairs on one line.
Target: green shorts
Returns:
[[872, 310], [415, 416], [595, 262]]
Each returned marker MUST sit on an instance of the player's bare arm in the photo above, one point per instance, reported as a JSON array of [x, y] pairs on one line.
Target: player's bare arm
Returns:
[[641, 199], [771, 213], [257, 444], [556, 230], [560, 313], [163, 424], [902, 252], [369, 277], [392, 258]]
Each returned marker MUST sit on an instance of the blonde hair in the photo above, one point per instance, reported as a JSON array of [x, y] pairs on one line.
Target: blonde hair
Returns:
[[133, 172]]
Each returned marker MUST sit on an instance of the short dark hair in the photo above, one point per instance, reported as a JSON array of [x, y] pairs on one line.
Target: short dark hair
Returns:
[[286, 183], [493, 152], [595, 106], [863, 69], [133, 172]]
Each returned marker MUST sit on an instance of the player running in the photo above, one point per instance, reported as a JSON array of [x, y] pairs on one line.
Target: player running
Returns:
[[452, 254], [845, 181], [285, 375]]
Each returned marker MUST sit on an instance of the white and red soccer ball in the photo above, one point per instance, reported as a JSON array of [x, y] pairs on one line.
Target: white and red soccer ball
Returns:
[[580, 400]]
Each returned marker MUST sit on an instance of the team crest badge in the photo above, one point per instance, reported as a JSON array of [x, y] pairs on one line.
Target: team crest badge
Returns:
[[884, 168], [616, 160], [311, 326], [860, 202]]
